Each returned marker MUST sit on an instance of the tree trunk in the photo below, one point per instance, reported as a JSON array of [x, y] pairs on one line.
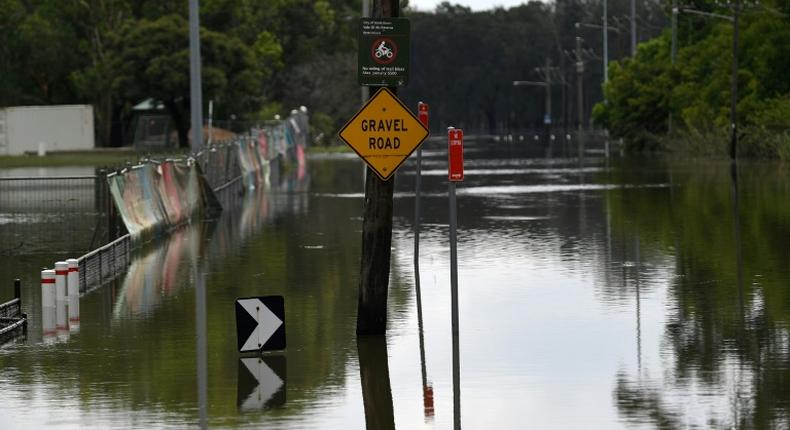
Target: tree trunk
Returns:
[[376, 249], [179, 120]]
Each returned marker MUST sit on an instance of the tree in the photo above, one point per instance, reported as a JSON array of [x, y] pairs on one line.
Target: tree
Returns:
[[151, 59]]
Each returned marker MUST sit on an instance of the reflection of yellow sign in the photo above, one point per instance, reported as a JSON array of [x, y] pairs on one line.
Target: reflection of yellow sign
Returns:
[[384, 133]]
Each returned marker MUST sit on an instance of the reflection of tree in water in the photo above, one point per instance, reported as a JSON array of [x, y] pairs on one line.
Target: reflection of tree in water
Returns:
[[726, 345]]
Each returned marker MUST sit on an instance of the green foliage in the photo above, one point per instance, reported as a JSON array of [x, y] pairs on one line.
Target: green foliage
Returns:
[[643, 92], [637, 103], [116, 53], [323, 128], [151, 58]]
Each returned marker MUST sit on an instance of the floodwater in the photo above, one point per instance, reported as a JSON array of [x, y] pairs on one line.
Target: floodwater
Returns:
[[594, 293]]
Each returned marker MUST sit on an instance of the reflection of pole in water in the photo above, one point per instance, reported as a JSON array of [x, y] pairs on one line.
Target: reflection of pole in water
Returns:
[[427, 391], [638, 300], [418, 183], [202, 348], [375, 378], [736, 219], [456, 385]]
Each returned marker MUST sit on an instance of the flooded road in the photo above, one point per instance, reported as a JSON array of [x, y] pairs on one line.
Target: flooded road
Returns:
[[593, 294]]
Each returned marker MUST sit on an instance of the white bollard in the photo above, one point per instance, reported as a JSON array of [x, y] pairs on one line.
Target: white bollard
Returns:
[[73, 293], [48, 304], [61, 271]]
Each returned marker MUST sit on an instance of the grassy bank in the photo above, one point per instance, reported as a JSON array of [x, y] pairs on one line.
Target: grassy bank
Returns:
[[97, 158], [331, 149], [110, 157]]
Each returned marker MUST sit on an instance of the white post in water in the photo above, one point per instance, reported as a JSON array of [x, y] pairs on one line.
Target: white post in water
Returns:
[[61, 271], [48, 304], [73, 293]]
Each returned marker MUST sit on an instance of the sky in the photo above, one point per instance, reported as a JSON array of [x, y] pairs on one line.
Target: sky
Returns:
[[429, 5]]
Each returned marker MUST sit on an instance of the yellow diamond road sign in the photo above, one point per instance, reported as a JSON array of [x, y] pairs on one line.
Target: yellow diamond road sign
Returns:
[[384, 133]]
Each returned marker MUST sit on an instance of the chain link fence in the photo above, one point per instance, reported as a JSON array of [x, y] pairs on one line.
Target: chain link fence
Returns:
[[52, 214]]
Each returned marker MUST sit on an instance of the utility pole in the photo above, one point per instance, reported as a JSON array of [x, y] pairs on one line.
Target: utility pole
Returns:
[[547, 74], [605, 45], [195, 80], [579, 83], [633, 28], [376, 231], [674, 52], [734, 77], [734, 84], [674, 30], [548, 92]]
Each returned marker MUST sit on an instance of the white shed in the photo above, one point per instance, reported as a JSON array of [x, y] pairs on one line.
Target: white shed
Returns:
[[51, 128]]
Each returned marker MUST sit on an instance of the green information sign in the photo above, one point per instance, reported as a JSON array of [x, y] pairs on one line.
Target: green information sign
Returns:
[[383, 58]]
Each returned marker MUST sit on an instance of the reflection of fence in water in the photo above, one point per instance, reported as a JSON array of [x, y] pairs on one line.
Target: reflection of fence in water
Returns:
[[103, 265], [45, 214], [230, 169], [12, 322]]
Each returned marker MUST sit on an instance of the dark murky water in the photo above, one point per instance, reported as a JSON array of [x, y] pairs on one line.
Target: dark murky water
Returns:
[[639, 293]]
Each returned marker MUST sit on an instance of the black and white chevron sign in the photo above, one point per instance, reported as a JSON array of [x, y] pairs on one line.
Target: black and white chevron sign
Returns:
[[260, 323]]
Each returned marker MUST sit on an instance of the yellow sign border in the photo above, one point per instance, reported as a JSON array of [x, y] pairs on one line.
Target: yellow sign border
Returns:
[[370, 100]]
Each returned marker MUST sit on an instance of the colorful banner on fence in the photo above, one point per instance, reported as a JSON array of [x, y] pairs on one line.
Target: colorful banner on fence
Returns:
[[154, 197]]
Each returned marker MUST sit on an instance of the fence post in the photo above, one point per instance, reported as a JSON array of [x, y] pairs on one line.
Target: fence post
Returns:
[[18, 291]]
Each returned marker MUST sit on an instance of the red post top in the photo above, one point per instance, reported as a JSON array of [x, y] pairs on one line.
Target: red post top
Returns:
[[422, 113], [455, 150]]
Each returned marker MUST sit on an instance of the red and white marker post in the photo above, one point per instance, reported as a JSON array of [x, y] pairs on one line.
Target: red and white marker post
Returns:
[[61, 321], [48, 304], [455, 151], [73, 293]]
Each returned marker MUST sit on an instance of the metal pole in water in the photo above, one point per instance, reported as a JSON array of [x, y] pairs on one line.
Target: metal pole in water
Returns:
[[453, 259], [455, 151], [454, 306], [422, 112], [195, 79], [427, 391]]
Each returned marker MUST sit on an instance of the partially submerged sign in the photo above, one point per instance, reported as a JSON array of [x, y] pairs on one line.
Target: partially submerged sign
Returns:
[[384, 133], [383, 56], [260, 323]]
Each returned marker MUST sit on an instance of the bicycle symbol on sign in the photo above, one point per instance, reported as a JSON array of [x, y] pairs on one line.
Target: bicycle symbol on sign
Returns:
[[384, 50]]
